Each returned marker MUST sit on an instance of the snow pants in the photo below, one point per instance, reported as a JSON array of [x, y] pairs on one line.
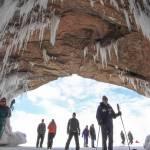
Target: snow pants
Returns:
[[40, 138], [50, 140], [107, 132], [71, 134], [92, 142], [85, 141]]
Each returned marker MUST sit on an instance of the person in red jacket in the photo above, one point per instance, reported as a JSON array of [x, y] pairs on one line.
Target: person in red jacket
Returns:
[[51, 133]]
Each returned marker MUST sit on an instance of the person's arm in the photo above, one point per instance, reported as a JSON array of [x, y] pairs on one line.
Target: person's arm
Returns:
[[44, 128], [68, 127], [38, 128], [78, 128], [114, 115], [56, 128], [98, 115]]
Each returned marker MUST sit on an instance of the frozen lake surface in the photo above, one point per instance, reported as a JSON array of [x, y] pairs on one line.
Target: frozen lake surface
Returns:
[[33, 148]]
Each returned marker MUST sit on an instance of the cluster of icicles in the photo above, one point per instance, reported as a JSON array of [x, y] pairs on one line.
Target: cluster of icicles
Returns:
[[137, 84], [20, 19], [137, 11], [133, 10]]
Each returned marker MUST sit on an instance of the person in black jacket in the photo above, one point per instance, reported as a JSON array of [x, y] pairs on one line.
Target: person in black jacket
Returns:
[[104, 116], [73, 129], [92, 135], [122, 137], [41, 133]]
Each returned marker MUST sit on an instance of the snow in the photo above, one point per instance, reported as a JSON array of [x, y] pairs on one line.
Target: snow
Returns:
[[12, 138], [33, 148]]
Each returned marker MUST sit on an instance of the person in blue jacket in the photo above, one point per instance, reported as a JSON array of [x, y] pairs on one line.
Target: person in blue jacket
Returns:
[[105, 115], [85, 135]]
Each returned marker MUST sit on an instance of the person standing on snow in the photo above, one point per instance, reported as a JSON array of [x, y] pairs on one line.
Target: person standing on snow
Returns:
[[5, 113], [92, 135], [51, 133], [85, 135], [105, 115], [130, 137], [41, 133], [122, 137], [73, 129]]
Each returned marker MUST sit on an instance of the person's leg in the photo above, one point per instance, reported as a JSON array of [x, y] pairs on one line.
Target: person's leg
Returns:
[[48, 141], [51, 140], [37, 142], [42, 139], [110, 138], [68, 141], [86, 140], [104, 137], [123, 142], [76, 141], [92, 142]]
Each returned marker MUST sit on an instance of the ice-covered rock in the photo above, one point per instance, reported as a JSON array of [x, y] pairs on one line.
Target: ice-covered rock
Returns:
[[12, 138], [147, 143]]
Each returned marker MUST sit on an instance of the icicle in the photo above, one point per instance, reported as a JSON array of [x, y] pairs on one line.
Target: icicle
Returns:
[[101, 1], [45, 56], [114, 3], [6, 13], [94, 58], [103, 54], [142, 20], [127, 19], [92, 3], [115, 45], [122, 2], [54, 26], [85, 51]]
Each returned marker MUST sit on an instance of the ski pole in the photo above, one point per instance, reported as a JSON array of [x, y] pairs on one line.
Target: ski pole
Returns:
[[123, 126], [98, 137]]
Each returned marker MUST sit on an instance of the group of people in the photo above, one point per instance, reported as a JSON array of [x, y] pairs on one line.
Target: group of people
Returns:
[[89, 133], [130, 137], [41, 129], [104, 115]]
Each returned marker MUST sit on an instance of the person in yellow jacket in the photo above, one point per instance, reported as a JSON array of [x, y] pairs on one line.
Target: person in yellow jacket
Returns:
[[51, 133]]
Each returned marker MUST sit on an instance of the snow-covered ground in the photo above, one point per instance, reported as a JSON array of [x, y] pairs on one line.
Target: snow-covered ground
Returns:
[[33, 148]]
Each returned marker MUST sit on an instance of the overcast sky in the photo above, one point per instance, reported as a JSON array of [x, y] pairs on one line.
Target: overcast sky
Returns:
[[60, 98]]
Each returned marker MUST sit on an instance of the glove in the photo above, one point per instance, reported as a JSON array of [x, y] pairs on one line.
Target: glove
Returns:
[[100, 122], [119, 113]]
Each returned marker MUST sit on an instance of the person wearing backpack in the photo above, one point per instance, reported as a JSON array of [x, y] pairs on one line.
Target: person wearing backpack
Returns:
[[73, 129], [51, 133], [40, 133]]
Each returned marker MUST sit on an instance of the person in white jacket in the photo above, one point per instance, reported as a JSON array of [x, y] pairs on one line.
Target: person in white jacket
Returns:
[[147, 143]]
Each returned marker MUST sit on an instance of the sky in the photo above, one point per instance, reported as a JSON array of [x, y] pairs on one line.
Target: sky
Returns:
[[60, 98]]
